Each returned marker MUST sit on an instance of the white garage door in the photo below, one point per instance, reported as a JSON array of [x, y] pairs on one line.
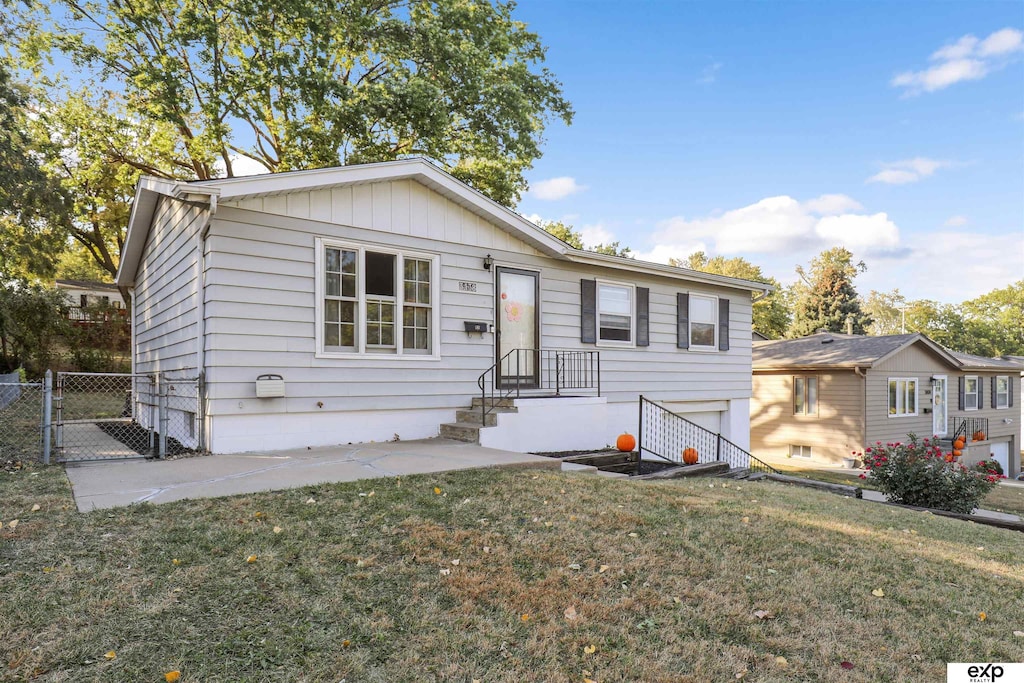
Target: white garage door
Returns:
[[710, 420], [1001, 454]]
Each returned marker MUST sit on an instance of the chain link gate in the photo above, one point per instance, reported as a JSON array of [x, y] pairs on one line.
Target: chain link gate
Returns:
[[22, 420], [100, 416]]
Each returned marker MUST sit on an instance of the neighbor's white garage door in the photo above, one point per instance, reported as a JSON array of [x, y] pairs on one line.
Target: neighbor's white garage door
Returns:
[[1001, 454]]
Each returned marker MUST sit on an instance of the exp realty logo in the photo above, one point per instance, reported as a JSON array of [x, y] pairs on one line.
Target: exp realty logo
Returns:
[[992, 672]]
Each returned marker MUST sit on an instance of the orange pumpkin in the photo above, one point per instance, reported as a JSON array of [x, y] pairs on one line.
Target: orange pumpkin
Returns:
[[979, 435], [957, 453], [949, 457], [959, 444], [626, 442], [690, 456]]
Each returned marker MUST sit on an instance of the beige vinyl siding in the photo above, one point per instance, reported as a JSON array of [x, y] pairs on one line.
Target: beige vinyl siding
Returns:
[[165, 297], [832, 434], [915, 361], [261, 314]]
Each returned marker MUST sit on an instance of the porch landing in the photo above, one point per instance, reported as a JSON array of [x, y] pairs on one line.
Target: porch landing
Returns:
[[99, 485]]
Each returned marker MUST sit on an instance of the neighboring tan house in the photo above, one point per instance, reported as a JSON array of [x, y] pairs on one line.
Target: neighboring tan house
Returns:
[[84, 294], [389, 300], [827, 395]]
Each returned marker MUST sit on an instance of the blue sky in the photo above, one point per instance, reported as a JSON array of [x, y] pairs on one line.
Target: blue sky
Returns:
[[774, 130]]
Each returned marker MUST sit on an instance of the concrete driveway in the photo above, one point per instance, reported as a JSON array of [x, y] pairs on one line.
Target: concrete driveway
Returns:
[[115, 483]]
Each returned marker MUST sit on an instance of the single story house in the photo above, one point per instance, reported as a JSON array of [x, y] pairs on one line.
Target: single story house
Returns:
[[390, 300], [82, 294], [823, 396]]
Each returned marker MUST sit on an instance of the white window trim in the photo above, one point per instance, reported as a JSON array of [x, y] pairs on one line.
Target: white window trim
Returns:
[[632, 315], [977, 392], [322, 243], [814, 413], [689, 323], [917, 396], [1006, 405], [945, 403]]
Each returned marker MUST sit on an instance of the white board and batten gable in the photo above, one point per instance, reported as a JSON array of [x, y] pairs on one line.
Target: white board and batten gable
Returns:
[[247, 276]]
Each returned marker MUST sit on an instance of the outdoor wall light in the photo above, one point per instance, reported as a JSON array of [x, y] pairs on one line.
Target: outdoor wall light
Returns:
[[488, 262]]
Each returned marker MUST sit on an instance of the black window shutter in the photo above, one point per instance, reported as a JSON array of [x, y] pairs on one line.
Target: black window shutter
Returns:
[[981, 392], [963, 383], [588, 311], [723, 324], [643, 316], [1009, 383], [993, 392], [682, 320]]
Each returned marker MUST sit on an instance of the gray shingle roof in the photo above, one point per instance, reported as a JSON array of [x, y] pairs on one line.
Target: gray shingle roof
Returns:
[[970, 362], [828, 349]]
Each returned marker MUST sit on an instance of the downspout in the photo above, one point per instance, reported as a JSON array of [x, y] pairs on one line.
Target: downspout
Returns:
[[763, 293], [863, 406], [201, 236]]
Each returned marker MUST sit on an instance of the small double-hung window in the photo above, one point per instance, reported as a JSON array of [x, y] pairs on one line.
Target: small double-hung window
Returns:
[[374, 301], [902, 396], [614, 313], [805, 395]]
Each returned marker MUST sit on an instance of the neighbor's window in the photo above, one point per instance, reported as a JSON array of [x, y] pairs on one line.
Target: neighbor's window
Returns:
[[800, 451], [972, 393], [1003, 391], [614, 313], [902, 396], [805, 395], [703, 321], [376, 301]]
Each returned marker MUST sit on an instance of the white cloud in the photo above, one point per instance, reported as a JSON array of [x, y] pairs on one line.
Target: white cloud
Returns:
[[710, 73], [955, 222], [908, 170], [854, 231], [832, 204], [968, 59], [240, 166], [595, 234], [555, 188]]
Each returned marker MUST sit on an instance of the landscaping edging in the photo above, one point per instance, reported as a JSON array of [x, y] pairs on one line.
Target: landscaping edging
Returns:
[[977, 519]]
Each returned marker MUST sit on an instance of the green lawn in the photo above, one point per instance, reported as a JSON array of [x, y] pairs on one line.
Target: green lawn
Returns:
[[503, 576], [1002, 498]]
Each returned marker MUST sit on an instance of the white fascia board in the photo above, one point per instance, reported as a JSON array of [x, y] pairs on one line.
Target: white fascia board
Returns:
[[147, 195], [418, 169], [632, 265]]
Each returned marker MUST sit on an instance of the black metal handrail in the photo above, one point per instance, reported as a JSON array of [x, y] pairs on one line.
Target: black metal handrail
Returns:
[[665, 435], [538, 369], [967, 427]]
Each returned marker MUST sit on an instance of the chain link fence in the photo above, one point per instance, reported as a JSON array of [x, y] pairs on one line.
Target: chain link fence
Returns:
[[21, 421]]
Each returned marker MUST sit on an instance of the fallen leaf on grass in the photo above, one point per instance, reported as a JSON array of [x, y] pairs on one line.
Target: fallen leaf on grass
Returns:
[[570, 613], [172, 676], [175, 562], [603, 568], [311, 501], [1019, 634], [47, 570], [782, 661], [745, 520], [445, 572], [437, 491], [251, 559], [846, 665], [590, 649], [13, 524], [763, 614], [257, 514], [111, 655], [525, 617], [278, 529], [574, 565], [456, 562], [36, 508], [740, 675], [346, 643], [633, 534], [878, 593], [982, 616]]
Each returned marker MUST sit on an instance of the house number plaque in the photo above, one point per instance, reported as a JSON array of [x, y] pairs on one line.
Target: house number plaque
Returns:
[[467, 286]]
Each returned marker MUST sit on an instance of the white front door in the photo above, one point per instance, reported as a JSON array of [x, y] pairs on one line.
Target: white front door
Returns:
[[940, 408], [1001, 454], [516, 317]]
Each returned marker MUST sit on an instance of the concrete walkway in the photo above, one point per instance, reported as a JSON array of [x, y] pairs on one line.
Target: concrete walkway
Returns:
[[99, 485]]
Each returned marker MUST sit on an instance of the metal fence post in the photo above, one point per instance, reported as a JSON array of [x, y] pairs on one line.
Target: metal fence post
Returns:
[[163, 416], [47, 410], [60, 411]]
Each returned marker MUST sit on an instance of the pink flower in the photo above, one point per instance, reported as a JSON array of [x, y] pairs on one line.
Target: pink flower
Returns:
[[513, 311], [862, 475]]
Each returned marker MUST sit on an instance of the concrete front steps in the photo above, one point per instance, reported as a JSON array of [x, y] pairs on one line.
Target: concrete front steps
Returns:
[[469, 422]]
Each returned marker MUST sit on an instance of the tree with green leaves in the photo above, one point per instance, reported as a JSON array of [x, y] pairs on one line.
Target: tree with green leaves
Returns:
[[825, 298], [31, 324], [771, 315], [887, 311], [997, 320], [574, 239]]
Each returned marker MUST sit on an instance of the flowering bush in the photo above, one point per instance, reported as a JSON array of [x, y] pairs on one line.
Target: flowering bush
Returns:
[[990, 467], [920, 473]]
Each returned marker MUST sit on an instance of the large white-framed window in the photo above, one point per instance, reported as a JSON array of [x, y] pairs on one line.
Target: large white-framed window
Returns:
[[805, 395], [1002, 391], [902, 396], [616, 314], [703, 322], [972, 392], [375, 301]]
